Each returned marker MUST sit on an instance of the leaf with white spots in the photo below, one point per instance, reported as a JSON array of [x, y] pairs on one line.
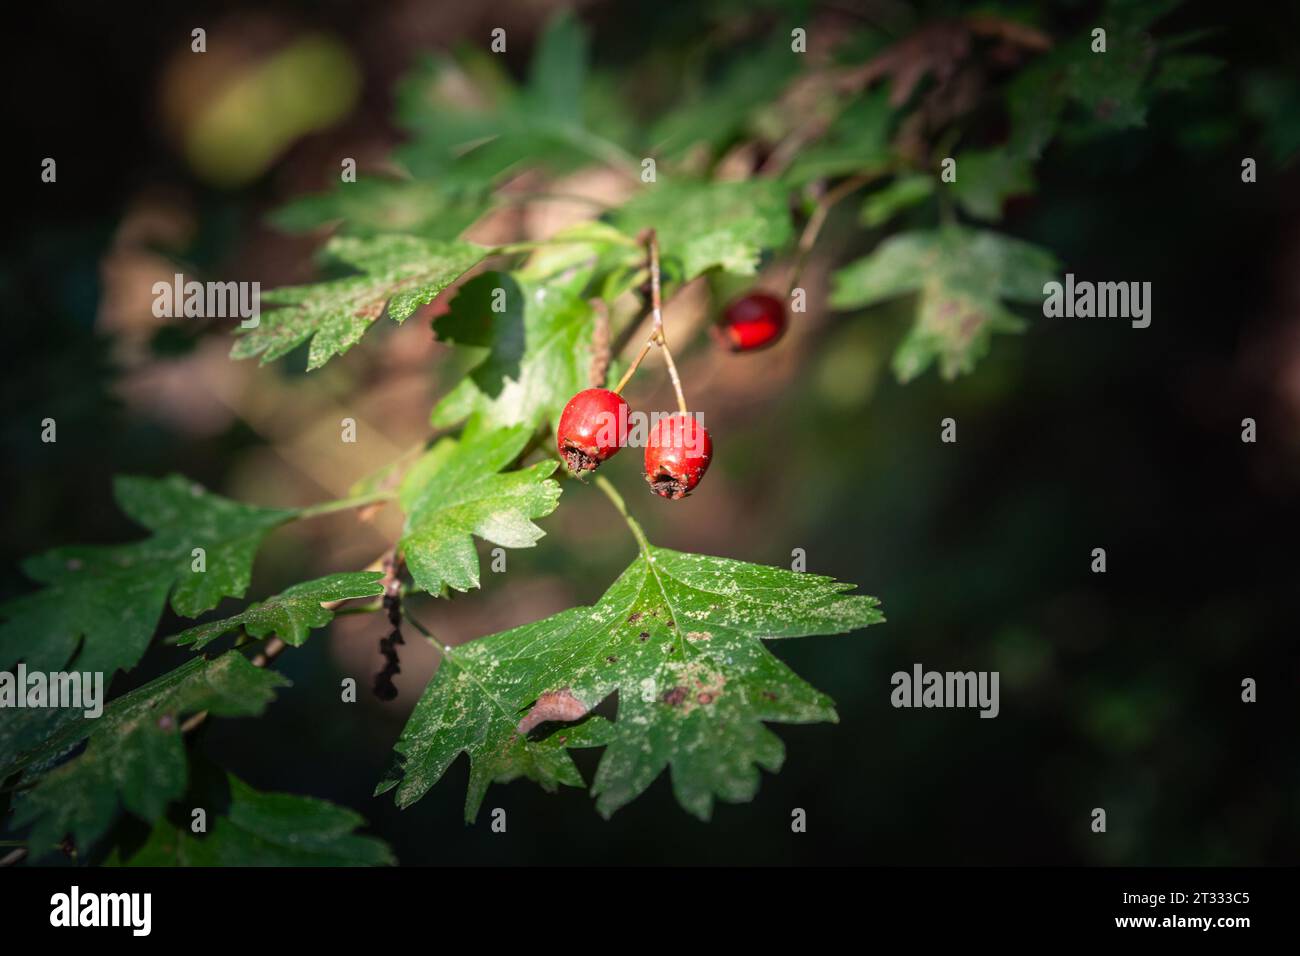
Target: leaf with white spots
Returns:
[[457, 491], [398, 274], [134, 758], [462, 710], [109, 599], [680, 638], [292, 613], [961, 278], [703, 225]]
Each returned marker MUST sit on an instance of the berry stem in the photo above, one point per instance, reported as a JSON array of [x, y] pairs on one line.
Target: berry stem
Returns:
[[656, 336], [620, 505], [657, 311], [672, 373], [631, 369]]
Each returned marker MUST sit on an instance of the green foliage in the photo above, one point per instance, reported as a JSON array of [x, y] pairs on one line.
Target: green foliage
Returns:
[[372, 207], [857, 142], [961, 278], [134, 757], [456, 491], [986, 178], [1107, 92], [716, 112], [679, 637], [462, 144], [538, 350], [292, 613], [399, 274], [1182, 73], [551, 120], [112, 596], [265, 829], [1274, 100], [899, 195], [706, 225]]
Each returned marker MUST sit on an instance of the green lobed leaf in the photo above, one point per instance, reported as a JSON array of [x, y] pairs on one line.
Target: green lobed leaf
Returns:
[[266, 829], [135, 757], [577, 252], [703, 225], [462, 710], [110, 598], [558, 70], [721, 110], [539, 348], [902, 193], [680, 638], [398, 275], [456, 491], [371, 206], [962, 277], [447, 104], [857, 142], [292, 613], [473, 125], [1110, 89], [987, 178]]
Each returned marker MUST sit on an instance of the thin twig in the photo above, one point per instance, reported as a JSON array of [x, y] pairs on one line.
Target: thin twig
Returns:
[[656, 336], [269, 652], [818, 219], [343, 504], [273, 649], [657, 311], [429, 635], [631, 369]]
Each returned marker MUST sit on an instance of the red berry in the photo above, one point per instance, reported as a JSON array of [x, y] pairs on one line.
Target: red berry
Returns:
[[592, 428], [753, 321], [677, 455]]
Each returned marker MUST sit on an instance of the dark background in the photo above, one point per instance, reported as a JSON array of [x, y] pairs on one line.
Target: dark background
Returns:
[[1119, 690]]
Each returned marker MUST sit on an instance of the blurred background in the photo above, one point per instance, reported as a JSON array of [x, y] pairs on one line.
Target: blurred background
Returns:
[[1119, 691]]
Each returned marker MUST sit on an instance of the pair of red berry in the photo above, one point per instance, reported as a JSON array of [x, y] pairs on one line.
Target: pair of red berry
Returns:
[[593, 428], [593, 425]]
